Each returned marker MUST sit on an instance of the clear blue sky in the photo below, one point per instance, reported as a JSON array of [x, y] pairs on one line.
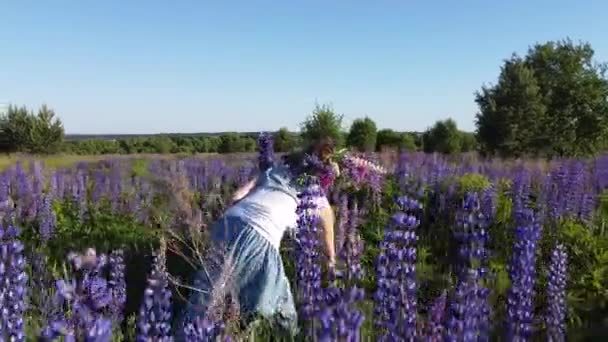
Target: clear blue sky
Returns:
[[192, 66]]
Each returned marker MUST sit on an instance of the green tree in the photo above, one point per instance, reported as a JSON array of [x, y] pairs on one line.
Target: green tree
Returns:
[[25, 132], [363, 135], [468, 142], [284, 141], [387, 138], [511, 112], [322, 123], [125, 146], [47, 132], [443, 137], [248, 144], [162, 144], [408, 142], [233, 142], [211, 144], [553, 101], [17, 127]]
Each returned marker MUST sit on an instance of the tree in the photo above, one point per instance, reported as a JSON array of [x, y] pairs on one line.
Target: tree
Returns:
[[468, 142], [284, 141], [47, 132], [443, 137], [387, 138], [408, 142], [233, 142], [162, 144], [25, 132], [511, 112], [16, 128], [553, 102], [362, 135], [322, 123]]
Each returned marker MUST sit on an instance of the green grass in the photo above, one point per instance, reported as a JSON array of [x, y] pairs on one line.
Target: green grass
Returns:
[[69, 160]]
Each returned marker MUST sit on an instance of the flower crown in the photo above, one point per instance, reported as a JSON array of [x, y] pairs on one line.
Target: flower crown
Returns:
[[343, 158], [341, 163]]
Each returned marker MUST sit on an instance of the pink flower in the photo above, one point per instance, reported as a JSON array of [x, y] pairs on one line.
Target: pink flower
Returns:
[[326, 181]]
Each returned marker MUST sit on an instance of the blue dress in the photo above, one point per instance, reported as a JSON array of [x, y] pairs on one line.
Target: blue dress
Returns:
[[255, 268]]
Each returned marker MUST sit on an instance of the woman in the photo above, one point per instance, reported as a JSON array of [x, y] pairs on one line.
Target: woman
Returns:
[[251, 231]]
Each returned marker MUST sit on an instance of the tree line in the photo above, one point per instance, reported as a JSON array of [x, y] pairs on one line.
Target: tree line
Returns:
[[23, 130], [552, 102]]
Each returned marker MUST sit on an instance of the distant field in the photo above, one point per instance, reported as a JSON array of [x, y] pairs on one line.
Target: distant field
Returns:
[[75, 137], [67, 160]]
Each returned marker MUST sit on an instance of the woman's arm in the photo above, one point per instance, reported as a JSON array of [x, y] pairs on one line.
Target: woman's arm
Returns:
[[327, 221], [243, 190]]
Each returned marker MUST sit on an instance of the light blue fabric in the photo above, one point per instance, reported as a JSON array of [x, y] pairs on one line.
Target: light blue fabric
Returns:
[[258, 275], [270, 207], [278, 177]]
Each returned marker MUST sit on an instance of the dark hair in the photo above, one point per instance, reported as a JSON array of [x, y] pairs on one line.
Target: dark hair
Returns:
[[321, 149]]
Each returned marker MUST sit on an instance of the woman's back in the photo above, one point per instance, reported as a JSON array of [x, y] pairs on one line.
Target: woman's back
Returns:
[[270, 207]]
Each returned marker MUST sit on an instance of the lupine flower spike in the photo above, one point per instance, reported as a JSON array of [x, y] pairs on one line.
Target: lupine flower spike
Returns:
[[13, 285], [85, 298], [522, 271], [556, 293]]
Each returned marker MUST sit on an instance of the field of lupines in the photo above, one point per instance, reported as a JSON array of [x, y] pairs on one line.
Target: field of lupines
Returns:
[[438, 249]]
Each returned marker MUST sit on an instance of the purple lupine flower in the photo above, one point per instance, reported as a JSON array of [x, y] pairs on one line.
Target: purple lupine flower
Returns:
[[116, 186], [587, 207], [434, 326], [266, 150], [24, 187], [54, 185], [555, 184], [325, 172], [42, 299], [488, 204], [486, 218], [556, 294], [575, 188], [341, 302], [308, 274], [99, 185], [7, 207], [101, 331], [13, 285], [203, 330], [79, 193], [469, 309], [244, 174], [396, 302], [140, 202], [569, 191], [62, 186], [154, 323], [600, 174], [47, 219], [117, 284], [37, 184], [326, 331], [462, 321], [520, 190], [85, 297], [522, 271], [342, 225], [412, 182], [25, 209]]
